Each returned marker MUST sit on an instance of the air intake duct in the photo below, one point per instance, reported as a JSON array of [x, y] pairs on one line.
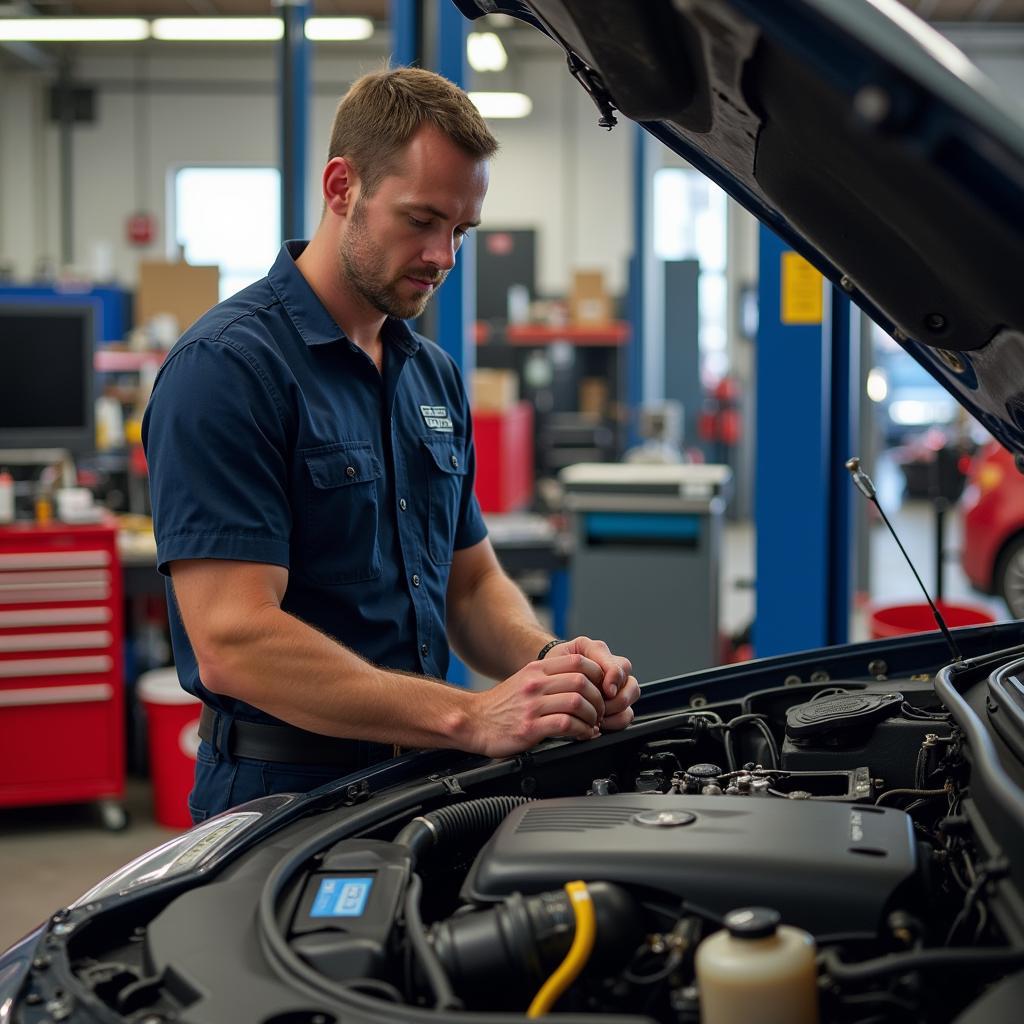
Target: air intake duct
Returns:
[[514, 946]]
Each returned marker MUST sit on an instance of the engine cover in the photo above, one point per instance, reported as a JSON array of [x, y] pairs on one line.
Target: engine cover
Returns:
[[827, 867]]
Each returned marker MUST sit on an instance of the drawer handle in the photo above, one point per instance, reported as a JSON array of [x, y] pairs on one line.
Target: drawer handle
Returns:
[[56, 641], [54, 666], [54, 560], [50, 578], [55, 617], [62, 592], [56, 695]]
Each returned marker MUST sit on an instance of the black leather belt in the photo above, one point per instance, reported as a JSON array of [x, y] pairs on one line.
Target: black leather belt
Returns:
[[285, 743]]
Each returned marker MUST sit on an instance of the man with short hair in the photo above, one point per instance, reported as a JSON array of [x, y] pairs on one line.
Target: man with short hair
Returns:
[[311, 465]]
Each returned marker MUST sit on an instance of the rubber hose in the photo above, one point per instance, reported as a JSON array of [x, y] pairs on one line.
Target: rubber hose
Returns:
[[456, 821], [926, 959]]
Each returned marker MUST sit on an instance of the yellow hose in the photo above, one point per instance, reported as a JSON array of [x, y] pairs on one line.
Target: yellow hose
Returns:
[[579, 952]]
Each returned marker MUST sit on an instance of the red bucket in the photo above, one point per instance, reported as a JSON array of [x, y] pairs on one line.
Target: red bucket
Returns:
[[172, 717], [900, 619]]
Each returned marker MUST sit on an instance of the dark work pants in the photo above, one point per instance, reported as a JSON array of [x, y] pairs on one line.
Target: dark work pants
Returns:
[[222, 782]]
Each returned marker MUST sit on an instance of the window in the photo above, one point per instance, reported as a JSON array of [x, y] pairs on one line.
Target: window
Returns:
[[690, 223], [230, 216]]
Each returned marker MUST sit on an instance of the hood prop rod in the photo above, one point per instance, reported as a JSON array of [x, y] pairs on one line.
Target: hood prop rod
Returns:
[[866, 487]]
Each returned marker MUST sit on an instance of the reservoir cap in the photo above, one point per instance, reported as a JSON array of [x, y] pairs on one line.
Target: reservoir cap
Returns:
[[752, 922]]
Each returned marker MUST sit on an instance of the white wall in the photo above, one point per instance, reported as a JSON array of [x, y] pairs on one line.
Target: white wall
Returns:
[[563, 175], [29, 224], [557, 172]]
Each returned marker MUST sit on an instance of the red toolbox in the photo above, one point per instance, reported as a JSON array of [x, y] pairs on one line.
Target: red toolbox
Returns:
[[504, 458], [62, 726]]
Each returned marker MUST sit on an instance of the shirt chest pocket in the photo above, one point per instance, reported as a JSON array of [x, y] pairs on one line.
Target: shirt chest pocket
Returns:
[[340, 542], [446, 474]]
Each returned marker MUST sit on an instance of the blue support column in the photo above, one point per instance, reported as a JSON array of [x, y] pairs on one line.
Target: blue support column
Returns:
[[559, 599], [637, 287], [845, 409], [294, 116], [793, 477], [456, 301], [406, 32]]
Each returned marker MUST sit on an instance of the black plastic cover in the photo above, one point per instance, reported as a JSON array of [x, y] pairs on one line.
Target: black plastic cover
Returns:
[[349, 937], [827, 867], [846, 711]]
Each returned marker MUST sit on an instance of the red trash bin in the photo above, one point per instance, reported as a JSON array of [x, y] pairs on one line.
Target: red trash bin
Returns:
[[900, 619], [172, 717]]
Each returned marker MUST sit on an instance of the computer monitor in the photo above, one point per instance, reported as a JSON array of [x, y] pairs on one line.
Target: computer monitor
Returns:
[[46, 377]]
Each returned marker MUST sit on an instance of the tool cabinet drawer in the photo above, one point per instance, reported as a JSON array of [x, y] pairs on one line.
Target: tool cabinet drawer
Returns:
[[61, 743]]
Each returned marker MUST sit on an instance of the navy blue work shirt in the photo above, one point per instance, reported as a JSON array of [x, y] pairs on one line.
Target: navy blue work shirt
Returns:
[[271, 437]]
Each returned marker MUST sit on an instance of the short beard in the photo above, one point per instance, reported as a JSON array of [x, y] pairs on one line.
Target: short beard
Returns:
[[365, 268]]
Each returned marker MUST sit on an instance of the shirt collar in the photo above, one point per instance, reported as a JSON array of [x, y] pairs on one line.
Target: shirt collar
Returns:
[[315, 325]]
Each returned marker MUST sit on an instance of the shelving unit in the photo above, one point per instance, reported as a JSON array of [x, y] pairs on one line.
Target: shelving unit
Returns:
[[595, 335], [566, 431]]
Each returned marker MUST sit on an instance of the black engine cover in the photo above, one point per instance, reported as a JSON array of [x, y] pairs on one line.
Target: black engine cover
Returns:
[[827, 867]]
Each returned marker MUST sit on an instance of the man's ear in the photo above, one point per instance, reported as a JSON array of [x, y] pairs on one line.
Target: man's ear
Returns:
[[339, 185]]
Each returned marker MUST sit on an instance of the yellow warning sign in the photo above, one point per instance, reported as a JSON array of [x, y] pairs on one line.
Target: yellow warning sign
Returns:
[[801, 291]]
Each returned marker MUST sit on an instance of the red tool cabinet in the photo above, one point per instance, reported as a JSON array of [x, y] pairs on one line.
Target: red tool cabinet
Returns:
[[62, 732], [504, 458]]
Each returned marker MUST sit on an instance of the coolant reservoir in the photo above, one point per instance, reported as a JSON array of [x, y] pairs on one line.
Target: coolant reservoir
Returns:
[[757, 971]]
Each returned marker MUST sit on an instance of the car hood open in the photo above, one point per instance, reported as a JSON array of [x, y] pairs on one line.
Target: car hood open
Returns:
[[859, 135]]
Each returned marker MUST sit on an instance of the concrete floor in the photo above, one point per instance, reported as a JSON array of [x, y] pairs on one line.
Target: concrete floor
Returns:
[[51, 855]]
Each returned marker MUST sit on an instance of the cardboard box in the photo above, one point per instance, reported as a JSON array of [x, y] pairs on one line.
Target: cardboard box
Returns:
[[589, 301], [176, 289], [494, 390], [593, 398]]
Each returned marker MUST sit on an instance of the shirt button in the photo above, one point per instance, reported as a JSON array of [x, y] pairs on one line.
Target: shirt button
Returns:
[[455, 461], [350, 472], [424, 649], [402, 504], [415, 580]]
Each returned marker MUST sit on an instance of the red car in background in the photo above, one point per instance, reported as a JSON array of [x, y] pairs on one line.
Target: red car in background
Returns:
[[992, 554]]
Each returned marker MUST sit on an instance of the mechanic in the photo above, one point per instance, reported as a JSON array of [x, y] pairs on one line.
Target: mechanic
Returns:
[[311, 465]]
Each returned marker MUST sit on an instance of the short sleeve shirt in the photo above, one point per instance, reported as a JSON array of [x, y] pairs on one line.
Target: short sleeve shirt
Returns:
[[271, 437]]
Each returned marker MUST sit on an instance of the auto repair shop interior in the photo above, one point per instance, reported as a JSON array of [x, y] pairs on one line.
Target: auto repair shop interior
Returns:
[[664, 395]]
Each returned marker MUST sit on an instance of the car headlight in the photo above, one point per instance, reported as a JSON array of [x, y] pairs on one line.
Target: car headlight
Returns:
[[176, 856]]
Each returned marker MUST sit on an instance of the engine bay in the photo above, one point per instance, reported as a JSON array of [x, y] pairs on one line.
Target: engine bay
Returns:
[[843, 812]]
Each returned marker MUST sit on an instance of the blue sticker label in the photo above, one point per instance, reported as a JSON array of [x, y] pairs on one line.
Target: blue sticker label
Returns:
[[341, 897]]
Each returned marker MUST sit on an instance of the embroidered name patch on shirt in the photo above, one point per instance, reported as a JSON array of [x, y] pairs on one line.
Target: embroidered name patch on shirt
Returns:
[[436, 417]]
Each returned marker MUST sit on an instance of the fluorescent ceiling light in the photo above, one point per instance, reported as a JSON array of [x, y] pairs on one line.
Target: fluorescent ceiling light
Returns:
[[218, 29], [485, 52], [502, 104], [347, 29], [73, 30]]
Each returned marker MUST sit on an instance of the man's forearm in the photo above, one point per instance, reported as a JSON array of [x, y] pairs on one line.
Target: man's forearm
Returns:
[[291, 671], [494, 628]]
